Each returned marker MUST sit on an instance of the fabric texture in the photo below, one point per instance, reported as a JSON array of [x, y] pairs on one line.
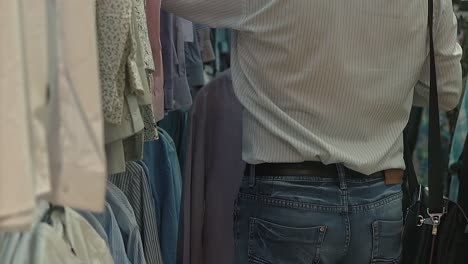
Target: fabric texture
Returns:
[[165, 183], [135, 185], [127, 223], [302, 93], [176, 89], [75, 119], [195, 73], [206, 47], [107, 227], [153, 13], [175, 126], [17, 195], [313, 219], [69, 239], [210, 188]]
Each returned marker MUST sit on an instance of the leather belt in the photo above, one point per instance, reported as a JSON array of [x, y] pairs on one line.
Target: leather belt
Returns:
[[317, 169]]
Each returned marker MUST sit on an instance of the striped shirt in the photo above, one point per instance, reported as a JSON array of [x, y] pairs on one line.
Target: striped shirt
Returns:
[[329, 80], [135, 185]]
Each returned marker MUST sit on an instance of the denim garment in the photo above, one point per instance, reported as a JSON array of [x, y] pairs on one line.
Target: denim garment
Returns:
[[304, 220], [175, 124], [127, 224], [165, 182]]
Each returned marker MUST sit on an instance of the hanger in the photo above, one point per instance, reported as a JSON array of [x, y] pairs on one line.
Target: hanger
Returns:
[[52, 208]]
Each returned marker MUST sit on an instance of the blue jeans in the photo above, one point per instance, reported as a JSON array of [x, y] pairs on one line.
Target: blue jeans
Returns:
[[308, 220]]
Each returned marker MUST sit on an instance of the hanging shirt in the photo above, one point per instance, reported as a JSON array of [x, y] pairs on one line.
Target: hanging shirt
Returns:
[[209, 191], [135, 185], [176, 89], [107, 227], [153, 11], [75, 127], [332, 81], [127, 224], [165, 185], [67, 238], [17, 195]]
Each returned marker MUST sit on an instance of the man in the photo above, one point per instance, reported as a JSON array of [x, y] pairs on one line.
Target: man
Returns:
[[327, 88]]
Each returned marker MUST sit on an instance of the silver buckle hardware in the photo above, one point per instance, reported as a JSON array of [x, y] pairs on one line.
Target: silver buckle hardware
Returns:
[[434, 220]]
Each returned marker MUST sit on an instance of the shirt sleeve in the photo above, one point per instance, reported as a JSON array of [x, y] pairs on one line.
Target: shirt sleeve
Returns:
[[214, 13], [448, 55]]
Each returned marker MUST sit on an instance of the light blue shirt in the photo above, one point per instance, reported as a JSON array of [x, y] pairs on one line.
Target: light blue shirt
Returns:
[[127, 224]]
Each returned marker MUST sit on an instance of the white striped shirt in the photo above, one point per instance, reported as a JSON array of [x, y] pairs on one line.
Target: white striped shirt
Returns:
[[332, 80]]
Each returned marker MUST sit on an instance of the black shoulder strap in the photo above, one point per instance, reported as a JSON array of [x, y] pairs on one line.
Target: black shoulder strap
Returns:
[[436, 203]]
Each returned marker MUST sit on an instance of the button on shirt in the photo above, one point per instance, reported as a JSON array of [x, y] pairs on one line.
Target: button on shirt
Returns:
[[331, 81]]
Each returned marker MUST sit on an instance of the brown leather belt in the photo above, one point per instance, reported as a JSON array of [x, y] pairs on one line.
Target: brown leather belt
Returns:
[[317, 169]]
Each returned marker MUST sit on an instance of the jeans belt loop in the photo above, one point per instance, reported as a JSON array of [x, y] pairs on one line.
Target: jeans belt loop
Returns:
[[342, 176], [252, 176]]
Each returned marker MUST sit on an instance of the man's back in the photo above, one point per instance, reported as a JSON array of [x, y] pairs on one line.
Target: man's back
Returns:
[[327, 82], [331, 80]]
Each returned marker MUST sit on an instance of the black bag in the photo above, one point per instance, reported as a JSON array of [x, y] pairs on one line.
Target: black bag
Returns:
[[435, 228]]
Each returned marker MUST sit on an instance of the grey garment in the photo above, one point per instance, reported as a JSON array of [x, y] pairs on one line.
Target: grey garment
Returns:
[[135, 185], [127, 223], [194, 63], [176, 89], [204, 39], [209, 192]]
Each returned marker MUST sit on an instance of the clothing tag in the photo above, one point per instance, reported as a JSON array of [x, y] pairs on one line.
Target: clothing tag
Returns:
[[187, 29], [393, 177]]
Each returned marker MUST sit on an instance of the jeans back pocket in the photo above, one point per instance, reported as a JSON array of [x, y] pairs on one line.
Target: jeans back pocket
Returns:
[[387, 242], [271, 243]]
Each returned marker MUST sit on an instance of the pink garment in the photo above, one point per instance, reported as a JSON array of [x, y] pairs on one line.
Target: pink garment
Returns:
[[153, 9]]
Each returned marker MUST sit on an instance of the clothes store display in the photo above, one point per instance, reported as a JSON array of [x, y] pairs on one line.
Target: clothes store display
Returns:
[[126, 138], [194, 63], [274, 66], [17, 192], [175, 125], [67, 238], [176, 88], [75, 118], [107, 227], [127, 87], [134, 184], [204, 39], [165, 182], [206, 235], [43, 119], [127, 223], [153, 11]]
